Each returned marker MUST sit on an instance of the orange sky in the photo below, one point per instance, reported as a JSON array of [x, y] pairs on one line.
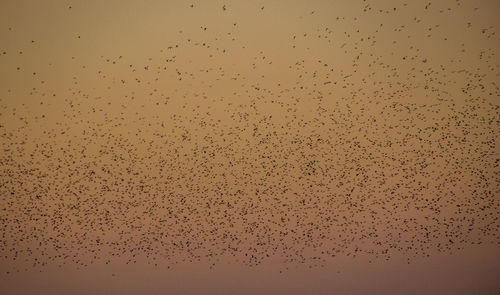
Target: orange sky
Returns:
[[244, 147]]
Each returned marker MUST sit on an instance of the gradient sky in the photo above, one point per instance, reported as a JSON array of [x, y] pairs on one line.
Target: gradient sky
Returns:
[[249, 147]]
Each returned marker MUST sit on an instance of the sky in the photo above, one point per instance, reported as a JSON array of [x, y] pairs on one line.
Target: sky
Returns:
[[249, 147]]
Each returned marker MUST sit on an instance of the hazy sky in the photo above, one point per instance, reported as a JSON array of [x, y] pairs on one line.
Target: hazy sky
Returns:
[[249, 147]]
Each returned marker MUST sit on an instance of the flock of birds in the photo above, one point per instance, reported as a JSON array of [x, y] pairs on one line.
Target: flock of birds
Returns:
[[196, 154]]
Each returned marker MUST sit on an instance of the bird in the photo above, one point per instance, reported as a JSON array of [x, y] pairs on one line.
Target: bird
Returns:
[[328, 138]]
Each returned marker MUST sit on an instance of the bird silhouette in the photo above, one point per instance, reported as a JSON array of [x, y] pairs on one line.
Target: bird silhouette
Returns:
[[351, 139]]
